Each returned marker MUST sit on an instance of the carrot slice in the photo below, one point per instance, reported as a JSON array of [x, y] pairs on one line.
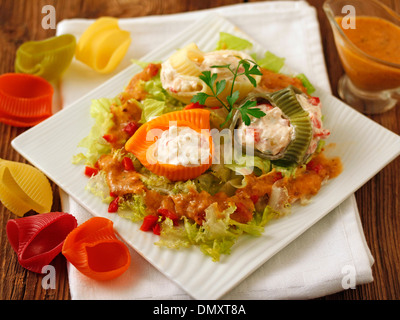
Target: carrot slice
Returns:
[[142, 143], [94, 249]]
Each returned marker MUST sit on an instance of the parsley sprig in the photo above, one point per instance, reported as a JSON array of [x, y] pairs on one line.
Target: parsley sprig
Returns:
[[217, 87]]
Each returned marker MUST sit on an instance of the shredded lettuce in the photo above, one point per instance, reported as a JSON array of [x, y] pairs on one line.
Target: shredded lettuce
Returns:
[[218, 233], [94, 143], [132, 207], [228, 41], [152, 108], [271, 62], [97, 185]]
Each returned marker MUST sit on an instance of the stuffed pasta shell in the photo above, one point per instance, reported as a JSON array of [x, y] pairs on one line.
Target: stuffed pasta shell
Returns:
[[180, 73]]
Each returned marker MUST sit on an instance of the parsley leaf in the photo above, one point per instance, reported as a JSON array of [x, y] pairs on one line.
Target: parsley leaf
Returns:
[[248, 109], [217, 87]]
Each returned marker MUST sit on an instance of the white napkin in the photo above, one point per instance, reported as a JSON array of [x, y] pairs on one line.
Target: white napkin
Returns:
[[328, 258]]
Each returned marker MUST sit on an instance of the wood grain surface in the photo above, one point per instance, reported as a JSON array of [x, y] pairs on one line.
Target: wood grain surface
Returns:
[[378, 200]]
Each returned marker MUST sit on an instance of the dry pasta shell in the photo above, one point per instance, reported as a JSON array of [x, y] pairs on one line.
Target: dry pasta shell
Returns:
[[24, 188], [94, 249]]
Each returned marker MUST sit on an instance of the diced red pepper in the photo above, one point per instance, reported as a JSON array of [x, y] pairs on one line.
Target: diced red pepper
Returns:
[[242, 214], [89, 171], [279, 176], [313, 166], [109, 138], [131, 128], [157, 229], [257, 135], [194, 105], [314, 101], [152, 69], [254, 198], [128, 164], [113, 207], [149, 222], [112, 194], [165, 213]]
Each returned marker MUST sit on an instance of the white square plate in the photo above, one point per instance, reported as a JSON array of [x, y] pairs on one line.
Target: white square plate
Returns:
[[364, 147]]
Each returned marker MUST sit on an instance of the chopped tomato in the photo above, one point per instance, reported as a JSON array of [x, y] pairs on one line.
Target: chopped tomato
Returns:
[[109, 138], [89, 171], [279, 176], [128, 164], [242, 214], [314, 101], [314, 166], [254, 198], [194, 105], [149, 222], [131, 128], [113, 207], [165, 213], [157, 229], [152, 69], [257, 135]]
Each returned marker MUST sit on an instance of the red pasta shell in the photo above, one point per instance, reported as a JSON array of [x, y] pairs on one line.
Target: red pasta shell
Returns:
[[38, 239]]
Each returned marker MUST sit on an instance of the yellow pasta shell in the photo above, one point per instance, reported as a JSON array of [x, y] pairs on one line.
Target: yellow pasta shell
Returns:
[[185, 61], [24, 188], [103, 45]]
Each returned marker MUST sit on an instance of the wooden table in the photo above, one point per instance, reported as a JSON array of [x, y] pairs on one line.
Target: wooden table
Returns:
[[378, 200]]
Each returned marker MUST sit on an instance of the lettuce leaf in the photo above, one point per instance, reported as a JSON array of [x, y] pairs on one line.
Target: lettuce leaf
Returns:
[[158, 101], [271, 62], [218, 233], [306, 83], [228, 41], [152, 108], [132, 207], [98, 186]]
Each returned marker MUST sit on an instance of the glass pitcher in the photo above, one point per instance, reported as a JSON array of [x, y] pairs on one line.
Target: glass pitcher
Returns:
[[365, 33]]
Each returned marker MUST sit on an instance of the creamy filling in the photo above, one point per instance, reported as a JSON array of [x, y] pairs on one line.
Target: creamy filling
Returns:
[[182, 146], [270, 134]]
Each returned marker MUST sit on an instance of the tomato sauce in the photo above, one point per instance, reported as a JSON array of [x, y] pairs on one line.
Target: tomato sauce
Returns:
[[271, 81]]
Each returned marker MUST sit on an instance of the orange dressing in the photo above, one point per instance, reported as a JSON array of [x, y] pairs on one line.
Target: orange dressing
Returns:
[[378, 38]]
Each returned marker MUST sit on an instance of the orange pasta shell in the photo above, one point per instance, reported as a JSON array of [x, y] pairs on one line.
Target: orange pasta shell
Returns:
[[94, 249], [141, 144]]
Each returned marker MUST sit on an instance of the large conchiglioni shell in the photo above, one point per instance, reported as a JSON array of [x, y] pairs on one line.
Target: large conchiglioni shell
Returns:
[[94, 249], [47, 58], [141, 144], [186, 60], [186, 64], [38, 239], [103, 45], [24, 188], [285, 99]]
